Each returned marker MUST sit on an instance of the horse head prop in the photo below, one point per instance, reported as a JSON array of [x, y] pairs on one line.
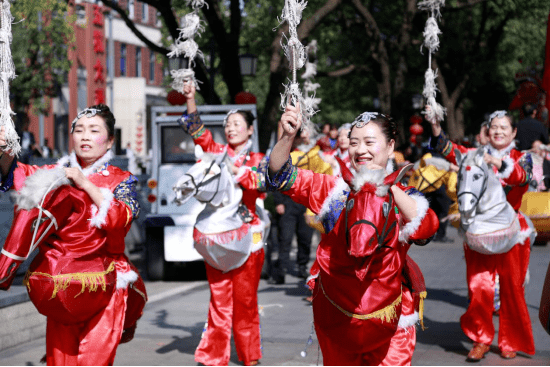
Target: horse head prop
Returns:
[[487, 220], [208, 180], [64, 284], [473, 180]]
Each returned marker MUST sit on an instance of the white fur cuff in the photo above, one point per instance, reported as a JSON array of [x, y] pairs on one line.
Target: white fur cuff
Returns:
[[508, 169], [124, 279], [408, 320], [99, 218], [422, 207]]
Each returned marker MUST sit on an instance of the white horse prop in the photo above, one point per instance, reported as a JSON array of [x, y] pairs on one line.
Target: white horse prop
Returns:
[[222, 234], [488, 222]]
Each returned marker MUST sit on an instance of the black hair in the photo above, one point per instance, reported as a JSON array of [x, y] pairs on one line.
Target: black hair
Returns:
[[248, 117], [387, 125], [108, 117], [528, 109]]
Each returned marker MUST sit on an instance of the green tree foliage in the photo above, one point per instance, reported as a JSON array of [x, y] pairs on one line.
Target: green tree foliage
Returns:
[[40, 52]]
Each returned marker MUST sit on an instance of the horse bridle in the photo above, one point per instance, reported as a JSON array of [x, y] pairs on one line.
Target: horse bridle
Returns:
[[483, 189], [430, 184], [204, 182]]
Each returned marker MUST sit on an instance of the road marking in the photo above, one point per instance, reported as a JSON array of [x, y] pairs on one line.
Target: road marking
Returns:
[[261, 308], [173, 292]]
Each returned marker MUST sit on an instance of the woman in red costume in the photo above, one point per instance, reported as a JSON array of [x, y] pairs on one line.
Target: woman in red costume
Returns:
[[88, 250], [514, 169], [234, 294], [363, 305]]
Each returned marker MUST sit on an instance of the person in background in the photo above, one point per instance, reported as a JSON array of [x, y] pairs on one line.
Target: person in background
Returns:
[[530, 130], [514, 169], [343, 144], [329, 143], [233, 294]]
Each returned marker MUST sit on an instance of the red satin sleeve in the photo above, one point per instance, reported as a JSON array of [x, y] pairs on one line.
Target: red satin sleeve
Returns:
[[311, 189], [207, 143], [23, 170], [428, 227], [119, 217]]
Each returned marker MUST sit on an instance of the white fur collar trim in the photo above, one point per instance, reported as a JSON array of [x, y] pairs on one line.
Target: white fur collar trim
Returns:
[[125, 279], [334, 194], [508, 169], [390, 166], [523, 235], [500, 153], [37, 185], [375, 177], [410, 228], [99, 218], [73, 162], [406, 321]]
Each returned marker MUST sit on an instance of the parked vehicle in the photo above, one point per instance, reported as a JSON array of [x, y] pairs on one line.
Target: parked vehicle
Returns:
[[169, 227]]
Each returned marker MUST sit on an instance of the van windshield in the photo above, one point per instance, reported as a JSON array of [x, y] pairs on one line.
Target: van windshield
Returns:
[[178, 147]]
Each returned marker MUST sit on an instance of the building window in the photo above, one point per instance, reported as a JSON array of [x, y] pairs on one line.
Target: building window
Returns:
[[123, 59], [138, 62], [80, 15], [144, 13], [131, 9], [158, 20], [152, 65]]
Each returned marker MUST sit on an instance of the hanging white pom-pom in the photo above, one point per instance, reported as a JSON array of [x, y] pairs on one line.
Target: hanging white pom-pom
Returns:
[[195, 4], [313, 103], [312, 47], [432, 6], [309, 86], [436, 112], [431, 38], [191, 25], [188, 48], [292, 12], [430, 87], [182, 77], [311, 70]]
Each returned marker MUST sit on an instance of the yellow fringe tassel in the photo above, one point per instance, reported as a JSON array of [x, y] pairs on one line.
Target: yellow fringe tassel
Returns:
[[422, 295], [92, 281], [386, 314]]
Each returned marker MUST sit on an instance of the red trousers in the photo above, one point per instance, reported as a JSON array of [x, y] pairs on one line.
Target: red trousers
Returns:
[[91, 343], [515, 333], [396, 351], [233, 304]]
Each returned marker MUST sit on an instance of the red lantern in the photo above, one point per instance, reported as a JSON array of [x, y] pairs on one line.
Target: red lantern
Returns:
[[245, 98], [412, 139], [175, 98], [415, 119], [416, 129]]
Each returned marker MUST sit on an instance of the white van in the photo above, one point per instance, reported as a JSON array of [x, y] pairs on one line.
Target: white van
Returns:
[[169, 227]]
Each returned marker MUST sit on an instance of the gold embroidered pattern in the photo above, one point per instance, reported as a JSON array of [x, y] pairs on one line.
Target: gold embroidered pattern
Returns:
[[92, 281], [386, 314]]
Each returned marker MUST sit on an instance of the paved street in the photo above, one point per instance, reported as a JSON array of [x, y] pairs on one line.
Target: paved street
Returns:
[[173, 320]]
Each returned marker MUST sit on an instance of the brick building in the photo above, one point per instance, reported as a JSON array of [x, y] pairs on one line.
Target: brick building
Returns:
[[137, 80]]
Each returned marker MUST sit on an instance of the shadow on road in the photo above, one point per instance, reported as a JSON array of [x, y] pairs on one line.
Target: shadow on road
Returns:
[[448, 296]]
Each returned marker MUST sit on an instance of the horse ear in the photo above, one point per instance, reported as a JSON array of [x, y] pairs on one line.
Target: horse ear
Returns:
[[479, 156], [198, 152], [458, 157]]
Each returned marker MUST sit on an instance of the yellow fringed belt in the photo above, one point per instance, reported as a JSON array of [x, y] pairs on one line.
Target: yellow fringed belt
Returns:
[[92, 281], [386, 314]]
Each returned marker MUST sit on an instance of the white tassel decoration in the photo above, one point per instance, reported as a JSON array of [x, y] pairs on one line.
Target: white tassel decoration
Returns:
[[431, 38], [7, 73], [311, 70], [196, 4], [191, 25], [431, 42], [182, 77], [309, 86]]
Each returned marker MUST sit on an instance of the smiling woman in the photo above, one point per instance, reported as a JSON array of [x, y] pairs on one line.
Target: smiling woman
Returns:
[[514, 172], [90, 253], [365, 305]]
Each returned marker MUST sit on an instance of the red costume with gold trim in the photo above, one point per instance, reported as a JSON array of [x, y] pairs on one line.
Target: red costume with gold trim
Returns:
[[80, 279], [515, 332], [234, 294], [362, 312]]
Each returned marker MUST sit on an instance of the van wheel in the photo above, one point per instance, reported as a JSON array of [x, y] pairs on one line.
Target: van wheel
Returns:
[[156, 265]]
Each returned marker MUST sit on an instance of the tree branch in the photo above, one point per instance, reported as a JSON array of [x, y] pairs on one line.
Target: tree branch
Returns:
[[344, 71], [113, 5]]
